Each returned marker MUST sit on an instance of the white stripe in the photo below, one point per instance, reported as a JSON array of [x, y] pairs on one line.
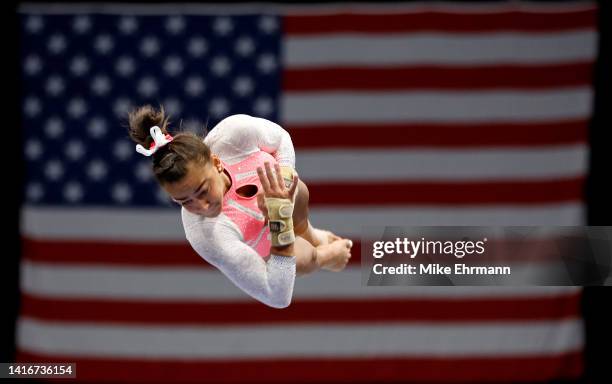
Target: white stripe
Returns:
[[439, 49], [306, 9], [244, 175], [306, 341], [254, 214], [71, 281], [447, 165], [421, 107], [154, 225]]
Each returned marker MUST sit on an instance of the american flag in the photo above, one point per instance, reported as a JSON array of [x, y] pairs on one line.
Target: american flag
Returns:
[[412, 114]]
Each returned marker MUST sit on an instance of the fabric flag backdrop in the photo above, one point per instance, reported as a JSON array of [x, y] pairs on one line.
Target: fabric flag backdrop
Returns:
[[448, 114]]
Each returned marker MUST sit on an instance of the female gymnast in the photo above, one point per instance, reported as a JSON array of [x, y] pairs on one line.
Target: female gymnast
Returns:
[[244, 209]]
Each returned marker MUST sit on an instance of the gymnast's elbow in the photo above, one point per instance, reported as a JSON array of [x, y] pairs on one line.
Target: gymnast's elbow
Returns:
[[278, 302]]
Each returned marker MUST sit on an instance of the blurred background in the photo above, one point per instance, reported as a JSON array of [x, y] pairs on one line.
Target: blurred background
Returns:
[[414, 113]]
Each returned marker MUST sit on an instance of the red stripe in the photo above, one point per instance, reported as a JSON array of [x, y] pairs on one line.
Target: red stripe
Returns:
[[445, 193], [438, 78], [473, 135], [328, 370], [439, 22], [304, 311]]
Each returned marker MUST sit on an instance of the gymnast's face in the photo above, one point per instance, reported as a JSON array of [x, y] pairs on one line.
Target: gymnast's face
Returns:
[[201, 190]]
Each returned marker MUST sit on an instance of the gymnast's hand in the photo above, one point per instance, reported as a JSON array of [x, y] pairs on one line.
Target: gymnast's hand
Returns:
[[273, 185]]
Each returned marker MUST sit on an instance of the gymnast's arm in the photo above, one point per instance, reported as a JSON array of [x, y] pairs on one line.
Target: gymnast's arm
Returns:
[[270, 282], [240, 134]]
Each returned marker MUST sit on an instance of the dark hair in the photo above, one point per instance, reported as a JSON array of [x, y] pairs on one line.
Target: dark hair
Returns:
[[169, 162]]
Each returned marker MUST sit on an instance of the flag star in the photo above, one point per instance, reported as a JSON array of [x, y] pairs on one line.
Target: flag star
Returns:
[[149, 46], [34, 24], [75, 150], [194, 86], [96, 170], [33, 149], [73, 192], [32, 65], [121, 193], [162, 196], [223, 25], [54, 127], [104, 44], [101, 85], [81, 24], [243, 86], [266, 63], [263, 106], [143, 171], [245, 46], [32, 106], [77, 108], [220, 65], [128, 25], [34, 192], [122, 150], [197, 46], [173, 65], [172, 106], [122, 106], [147, 87], [54, 85], [97, 127], [125, 66], [54, 170], [268, 24], [218, 107], [175, 24], [56, 44], [194, 125], [79, 65]]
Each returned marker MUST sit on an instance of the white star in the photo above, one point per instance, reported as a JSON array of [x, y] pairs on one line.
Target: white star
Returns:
[[268, 24], [77, 108], [54, 85], [175, 24], [245, 46], [96, 170], [75, 150], [243, 86], [54, 170], [56, 44], [123, 150], [194, 86], [73, 192], [220, 65], [79, 65], [194, 125], [125, 66], [54, 127], [32, 65], [104, 44], [218, 107], [128, 24], [122, 106], [173, 65], [97, 127], [197, 46], [34, 191], [101, 85], [143, 171], [33, 149], [263, 106], [121, 193], [81, 24], [223, 25], [147, 86], [32, 106], [149, 46], [162, 196], [34, 24], [172, 106], [266, 63]]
